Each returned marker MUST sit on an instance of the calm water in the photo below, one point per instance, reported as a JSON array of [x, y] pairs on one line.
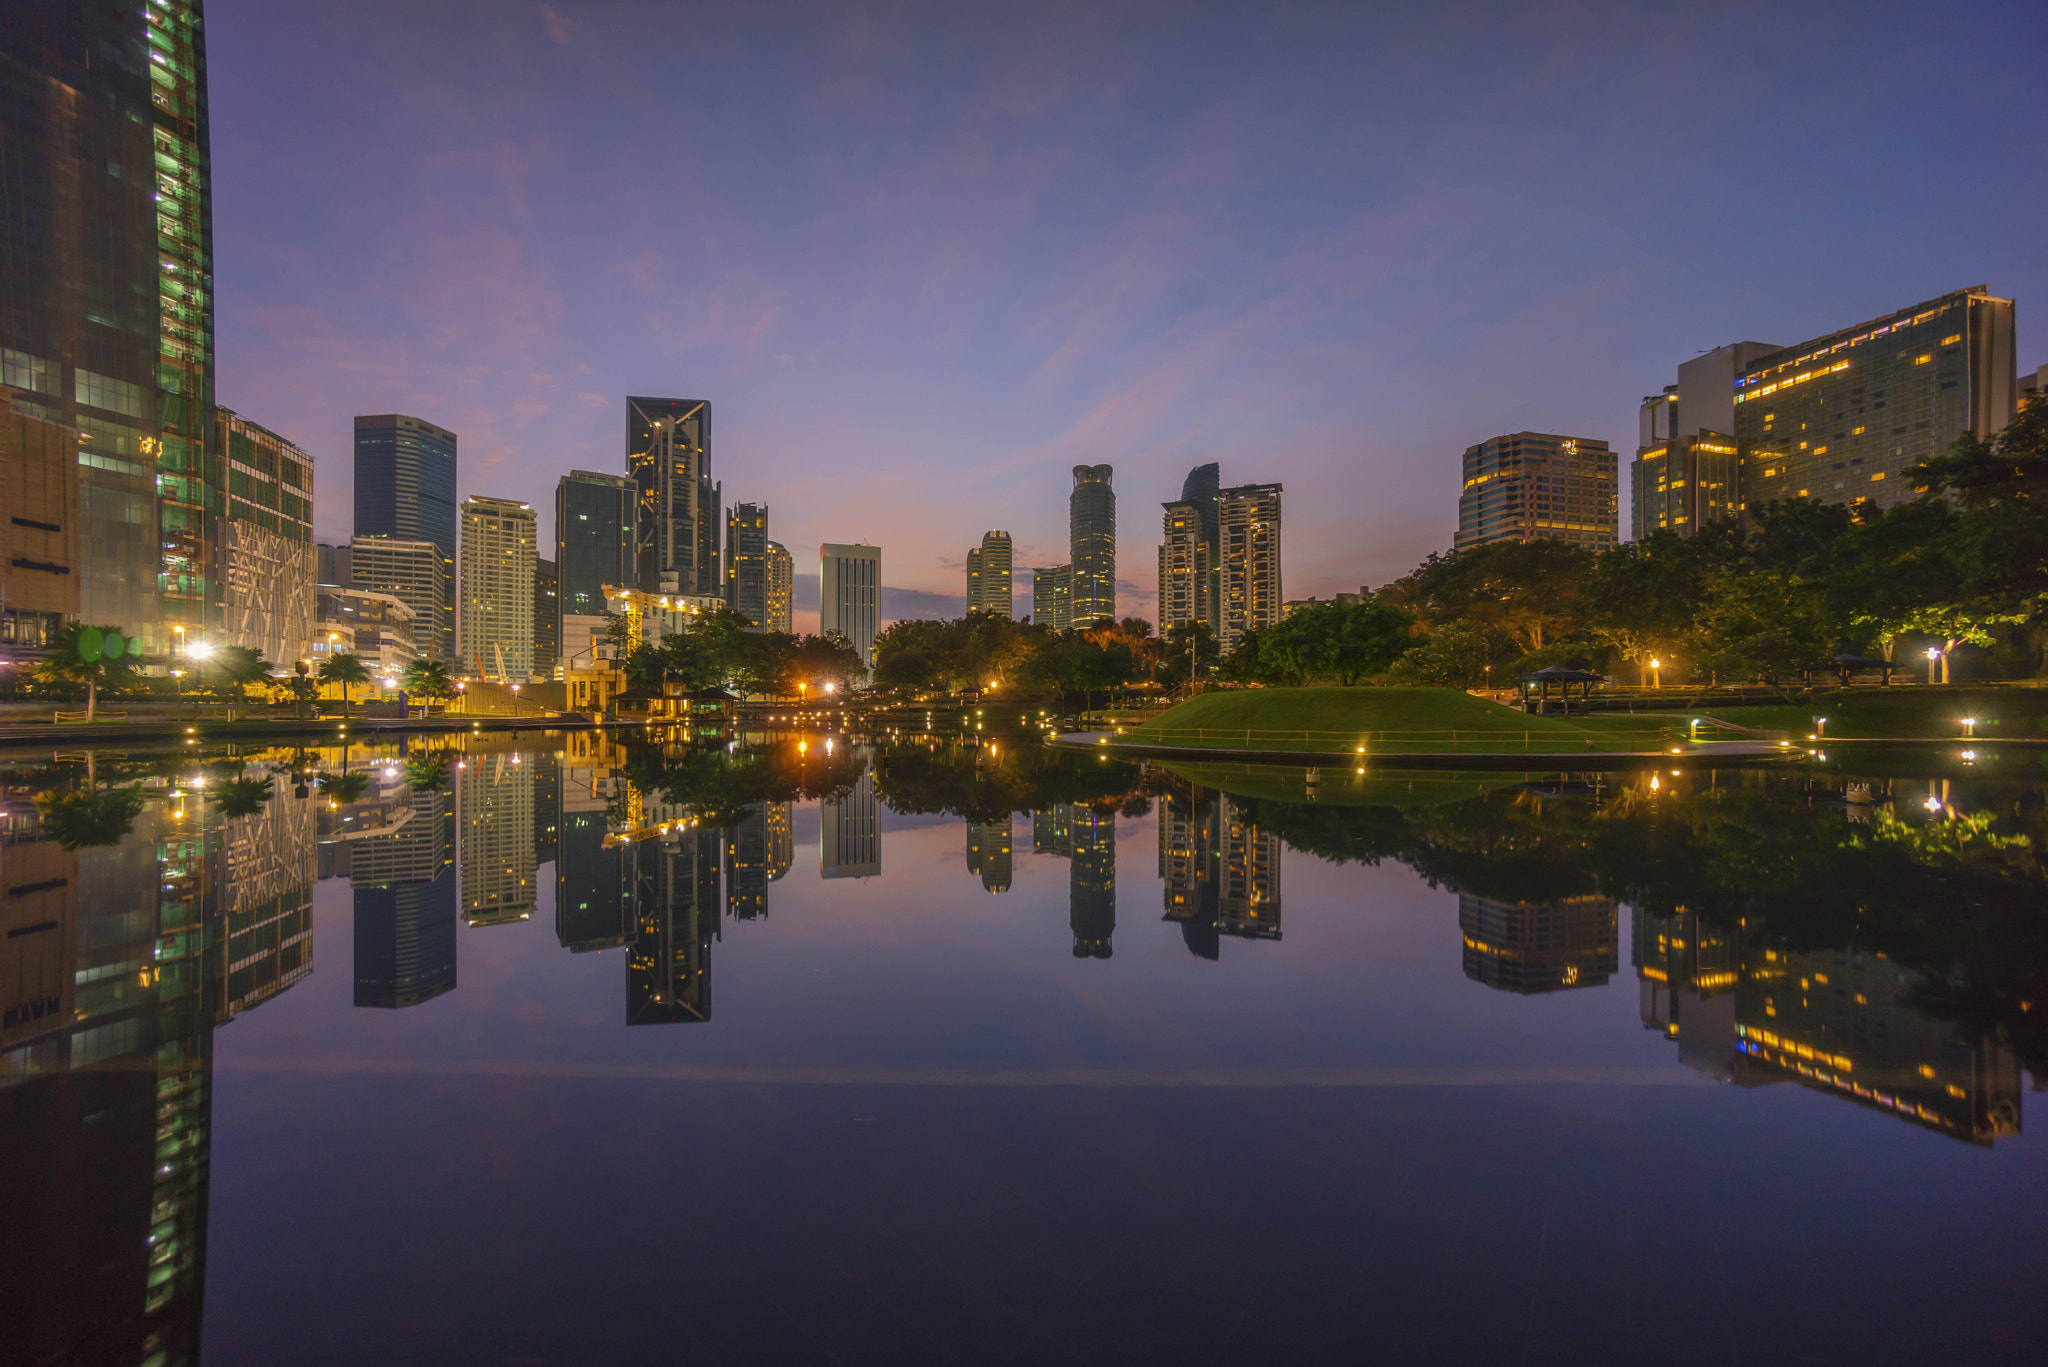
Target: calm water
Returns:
[[570, 1051]]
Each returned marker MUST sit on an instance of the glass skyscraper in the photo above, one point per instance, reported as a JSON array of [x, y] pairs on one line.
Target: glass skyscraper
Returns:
[[593, 539], [405, 490], [106, 292], [668, 456], [1091, 529], [746, 562]]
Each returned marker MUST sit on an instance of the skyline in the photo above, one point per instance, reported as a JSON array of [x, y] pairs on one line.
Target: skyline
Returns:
[[977, 251]]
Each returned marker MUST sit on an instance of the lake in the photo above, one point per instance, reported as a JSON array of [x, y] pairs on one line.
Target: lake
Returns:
[[589, 1048]]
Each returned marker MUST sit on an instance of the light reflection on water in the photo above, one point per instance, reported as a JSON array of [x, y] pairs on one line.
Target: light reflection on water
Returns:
[[1297, 975]]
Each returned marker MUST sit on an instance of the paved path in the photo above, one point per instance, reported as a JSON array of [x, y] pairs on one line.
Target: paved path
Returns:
[[1688, 756]]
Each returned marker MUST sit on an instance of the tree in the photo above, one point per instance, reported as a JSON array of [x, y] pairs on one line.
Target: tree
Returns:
[[302, 690], [232, 669], [83, 820], [346, 671], [1459, 655], [96, 656], [1534, 589], [1189, 650], [1764, 624], [427, 679]]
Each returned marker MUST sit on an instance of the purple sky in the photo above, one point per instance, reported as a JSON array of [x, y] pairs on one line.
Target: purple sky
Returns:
[[923, 259]]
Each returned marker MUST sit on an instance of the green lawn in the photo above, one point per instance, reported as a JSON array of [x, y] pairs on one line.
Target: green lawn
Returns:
[[1908, 714], [1386, 720]]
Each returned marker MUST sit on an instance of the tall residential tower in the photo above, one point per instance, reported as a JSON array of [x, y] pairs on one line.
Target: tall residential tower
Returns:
[[1248, 585], [989, 575], [497, 588], [746, 562]]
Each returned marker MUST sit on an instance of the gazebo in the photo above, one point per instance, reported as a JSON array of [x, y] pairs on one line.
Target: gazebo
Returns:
[[1536, 687]]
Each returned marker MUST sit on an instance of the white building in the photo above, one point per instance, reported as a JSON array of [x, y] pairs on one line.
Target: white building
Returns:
[[495, 616], [849, 595]]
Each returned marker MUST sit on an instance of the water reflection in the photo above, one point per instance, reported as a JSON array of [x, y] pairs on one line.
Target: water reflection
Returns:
[[1874, 941]]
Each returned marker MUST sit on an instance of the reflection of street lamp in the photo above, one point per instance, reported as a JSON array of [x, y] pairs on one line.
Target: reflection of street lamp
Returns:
[[1820, 728], [831, 687], [1969, 726]]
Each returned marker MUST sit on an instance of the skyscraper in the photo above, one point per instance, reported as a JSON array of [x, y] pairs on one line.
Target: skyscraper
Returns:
[[849, 595], [415, 573], [746, 562], [1091, 881], [989, 853], [405, 490], [594, 521], [989, 574], [850, 833], [497, 588], [494, 798], [106, 273], [676, 917], [1091, 535], [1183, 567], [1839, 418], [1687, 471], [781, 588], [1248, 529], [267, 557], [668, 457], [1535, 486], [1052, 597], [547, 619], [40, 564]]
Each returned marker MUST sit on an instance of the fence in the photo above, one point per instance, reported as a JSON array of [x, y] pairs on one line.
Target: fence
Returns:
[[80, 718]]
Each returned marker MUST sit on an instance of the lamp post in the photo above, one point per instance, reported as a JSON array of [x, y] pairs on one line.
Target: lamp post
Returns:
[[199, 651], [1933, 654], [1656, 679], [1820, 728], [1969, 727]]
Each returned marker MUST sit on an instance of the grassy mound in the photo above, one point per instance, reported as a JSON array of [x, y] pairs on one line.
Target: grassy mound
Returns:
[[1384, 720]]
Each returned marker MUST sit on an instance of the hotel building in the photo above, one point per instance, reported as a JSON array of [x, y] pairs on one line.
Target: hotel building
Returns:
[[1537, 486]]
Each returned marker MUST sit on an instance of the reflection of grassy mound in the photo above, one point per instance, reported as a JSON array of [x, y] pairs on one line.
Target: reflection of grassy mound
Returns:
[[1382, 719], [1342, 787]]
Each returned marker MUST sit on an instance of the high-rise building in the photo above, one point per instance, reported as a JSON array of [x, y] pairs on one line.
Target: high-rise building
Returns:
[[106, 273], [594, 521], [1687, 471], [1091, 880], [781, 588], [1183, 567], [676, 917], [1052, 597], [746, 562], [40, 567], [849, 595], [746, 866], [547, 620], [1052, 832], [850, 833], [668, 458], [593, 886], [1839, 418], [1534, 486], [989, 571], [1535, 947], [497, 588], [1091, 535], [405, 491], [413, 572], [494, 798], [268, 565], [1248, 529], [268, 865], [1189, 840], [1248, 883], [989, 853]]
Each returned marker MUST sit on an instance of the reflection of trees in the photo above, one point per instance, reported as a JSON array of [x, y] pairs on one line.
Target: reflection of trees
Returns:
[[983, 784], [85, 820], [719, 787]]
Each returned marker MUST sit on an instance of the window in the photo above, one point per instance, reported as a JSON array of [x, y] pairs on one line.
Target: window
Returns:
[[103, 391]]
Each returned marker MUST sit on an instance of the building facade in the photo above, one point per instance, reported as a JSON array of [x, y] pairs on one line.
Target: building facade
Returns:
[[415, 573], [40, 571], [268, 567], [1248, 529], [1052, 597], [106, 270], [494, 806], [1536, 486], [849, 595], [1091, 536], [594, 529], [850, 833], [1536, 947], [378, 627], [547, 620], [746, 562], [781, 588], [1687, 471], [668, 458], [1183, 567], [1841, 417], [405, 491], [990, 569], [496, 621]]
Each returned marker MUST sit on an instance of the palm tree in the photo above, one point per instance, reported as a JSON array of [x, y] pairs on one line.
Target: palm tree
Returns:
[[346, 671], [98, 657], [303, 690], [427, 679], [343, 789], [83, 820], [241, 796], [235, 668]]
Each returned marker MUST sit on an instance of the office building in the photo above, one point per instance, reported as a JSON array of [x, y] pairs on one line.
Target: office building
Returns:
[[1536, 486], [547, 620], [106, 270], [989, 572], [39, 554], [779, 823], [1052, 597], [331, 564], [268, 864], [1183, 567], [1091, 535], [268, 566], [1841, 417], [593, 885], [405, 491], [415, 573], [1189, 840], [1052, 832], [989, 853], [746, 866], [849, 595], [1248, 530], [547, 807], [1687, 471], [746, 562], [594, 521], [377, 627], [668, 458], [781, 589], [676, 917], [1091, 880], [497, 569], [850, 833], [494, 798], [1536, 947]]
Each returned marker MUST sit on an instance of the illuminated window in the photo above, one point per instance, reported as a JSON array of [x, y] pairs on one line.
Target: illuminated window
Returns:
[[1922, 360], [1952, 339], [1876, 477]]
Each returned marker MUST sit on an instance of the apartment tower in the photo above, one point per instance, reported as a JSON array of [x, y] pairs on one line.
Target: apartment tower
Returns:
[[1248, 530], [746, 562], [781, 589], [1051, 597], [497, 588], [989, 573]]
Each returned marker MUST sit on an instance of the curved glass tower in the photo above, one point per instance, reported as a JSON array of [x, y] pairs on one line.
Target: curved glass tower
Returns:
[[1091, 533]]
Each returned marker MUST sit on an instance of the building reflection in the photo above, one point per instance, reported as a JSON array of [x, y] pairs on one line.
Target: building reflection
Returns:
[[676, 917], [1091, 880], [850, 833], [746, 865], [495, 810], [1219, 872], [1842, 1021], [397, 850], [268, 865], [1535, 947], [989, 853], [779, 833], [1052, 832]]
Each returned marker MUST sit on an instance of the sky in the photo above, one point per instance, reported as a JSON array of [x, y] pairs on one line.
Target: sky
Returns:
[[923, 259]]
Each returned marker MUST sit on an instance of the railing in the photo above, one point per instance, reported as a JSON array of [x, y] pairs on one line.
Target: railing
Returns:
[[1453, 741], [80, 718]]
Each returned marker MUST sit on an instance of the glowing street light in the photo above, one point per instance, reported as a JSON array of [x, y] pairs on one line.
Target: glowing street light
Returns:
[[1933, 654], [1656, 679], [1969, 726]]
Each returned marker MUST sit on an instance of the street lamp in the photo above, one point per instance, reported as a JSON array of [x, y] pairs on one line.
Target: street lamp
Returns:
[[1820, 728], [1656, 679], [1933, 654]]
